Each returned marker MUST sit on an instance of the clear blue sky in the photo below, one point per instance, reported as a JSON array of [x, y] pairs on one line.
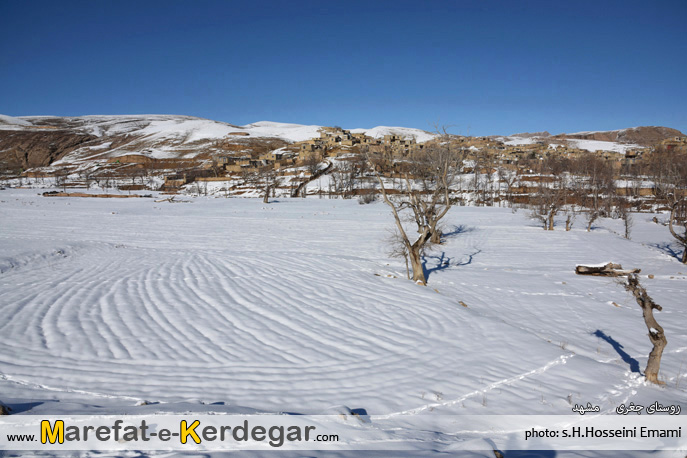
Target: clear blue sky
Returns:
[[484, 67]]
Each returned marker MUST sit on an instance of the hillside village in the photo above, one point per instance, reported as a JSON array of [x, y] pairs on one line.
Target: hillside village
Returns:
[[486, 153], [336, 142], [185, 154]]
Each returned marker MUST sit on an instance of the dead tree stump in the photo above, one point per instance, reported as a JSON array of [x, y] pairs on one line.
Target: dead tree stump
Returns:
[[656, 335]]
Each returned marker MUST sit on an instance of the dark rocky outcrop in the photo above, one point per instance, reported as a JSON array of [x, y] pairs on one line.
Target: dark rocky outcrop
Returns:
[[38, 148]]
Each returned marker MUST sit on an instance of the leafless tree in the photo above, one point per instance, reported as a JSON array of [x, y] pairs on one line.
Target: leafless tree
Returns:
[[656, 333], [510, 179], [343, 178], [571, 214], [594, 186], [678, 216], [667, 169], [311, 163], [61, 175], [398, 249], [269, 178], [552, 193], [624, 209], [425, 195]]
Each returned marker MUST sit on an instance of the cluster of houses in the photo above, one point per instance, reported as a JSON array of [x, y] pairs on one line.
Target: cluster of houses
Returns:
[[335, 141], [675, 144], [332, 142]]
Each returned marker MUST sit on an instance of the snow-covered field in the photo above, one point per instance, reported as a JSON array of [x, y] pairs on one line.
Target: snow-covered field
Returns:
[[232, 305]]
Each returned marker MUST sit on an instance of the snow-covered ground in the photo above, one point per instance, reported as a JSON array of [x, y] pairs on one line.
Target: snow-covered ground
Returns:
[[589, 145], [232, 305], [11, 122], [420, 136], [597, 145]]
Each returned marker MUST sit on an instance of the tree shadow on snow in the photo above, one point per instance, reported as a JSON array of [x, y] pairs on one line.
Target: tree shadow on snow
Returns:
[[667, 248], [22, 407], [442, 262], [634, 364], [457, 230]]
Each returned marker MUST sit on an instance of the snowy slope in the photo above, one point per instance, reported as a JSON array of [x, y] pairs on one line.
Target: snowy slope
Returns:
[[10, 122], [420, 136], [589, 145], [594, 145], [172, 127], [290, 132]]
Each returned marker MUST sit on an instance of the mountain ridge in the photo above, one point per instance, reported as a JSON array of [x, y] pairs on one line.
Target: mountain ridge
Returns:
[[38, 141]]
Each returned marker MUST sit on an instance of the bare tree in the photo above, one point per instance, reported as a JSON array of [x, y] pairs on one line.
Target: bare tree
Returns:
[[511, 180], [398, 249], [656, 334], [426, 197], [552, 193], [61, 176], [624, 210], [594, 186], [570, 218], [311, 163], [677, 214], [667, 169], [270, 181]]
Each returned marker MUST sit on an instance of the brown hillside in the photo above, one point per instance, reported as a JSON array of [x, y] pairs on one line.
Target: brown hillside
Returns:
[[37, 148], [645, 135]]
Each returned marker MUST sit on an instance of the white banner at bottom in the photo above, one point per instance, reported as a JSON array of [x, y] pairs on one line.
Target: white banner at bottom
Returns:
[[342, 432]]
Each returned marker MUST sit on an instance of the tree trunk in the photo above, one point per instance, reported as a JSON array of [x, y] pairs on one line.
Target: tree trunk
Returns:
[[592, 217], [416, 263], [266, 199], [656, 335], [436, 235], [682, 239], [549, 221]]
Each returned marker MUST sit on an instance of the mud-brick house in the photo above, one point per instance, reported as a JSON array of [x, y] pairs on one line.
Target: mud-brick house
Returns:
[[363, 139]]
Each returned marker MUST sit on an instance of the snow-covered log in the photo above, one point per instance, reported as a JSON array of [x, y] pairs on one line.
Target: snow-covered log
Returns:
[[606, 270]]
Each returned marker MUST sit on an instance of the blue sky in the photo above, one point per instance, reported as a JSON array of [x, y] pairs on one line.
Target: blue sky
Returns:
[[481, 67]]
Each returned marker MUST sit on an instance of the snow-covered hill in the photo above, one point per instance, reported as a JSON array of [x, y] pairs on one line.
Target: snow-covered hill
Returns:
[[589, 145], [10, 122], [420, 136], [619, 140], [155, 136], [188, 129]]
